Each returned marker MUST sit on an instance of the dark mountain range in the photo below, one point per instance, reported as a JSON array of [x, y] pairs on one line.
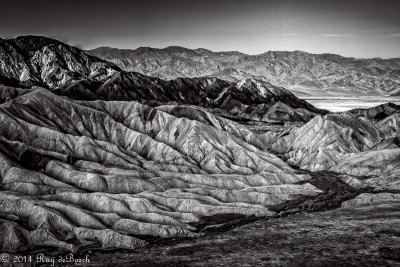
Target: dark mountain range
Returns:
[[379, 112], [37, 61], [249, 99], [96, 158], [301, 72]]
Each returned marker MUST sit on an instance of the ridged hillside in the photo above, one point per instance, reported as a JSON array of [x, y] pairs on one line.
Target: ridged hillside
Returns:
[[78, 173]]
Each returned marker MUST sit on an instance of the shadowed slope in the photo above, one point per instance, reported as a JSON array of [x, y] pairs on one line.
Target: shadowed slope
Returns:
[[247, 100]]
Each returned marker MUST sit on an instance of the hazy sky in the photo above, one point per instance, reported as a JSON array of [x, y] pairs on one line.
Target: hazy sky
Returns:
[[360, 28]]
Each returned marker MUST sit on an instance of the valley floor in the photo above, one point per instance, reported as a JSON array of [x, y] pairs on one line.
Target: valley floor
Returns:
[[361, 228], [362, 236], [345, 103]]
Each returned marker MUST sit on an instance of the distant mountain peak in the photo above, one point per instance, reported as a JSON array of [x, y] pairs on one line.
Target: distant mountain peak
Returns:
[[176, 48], [203, 51], [299, 70], [34, 42]]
